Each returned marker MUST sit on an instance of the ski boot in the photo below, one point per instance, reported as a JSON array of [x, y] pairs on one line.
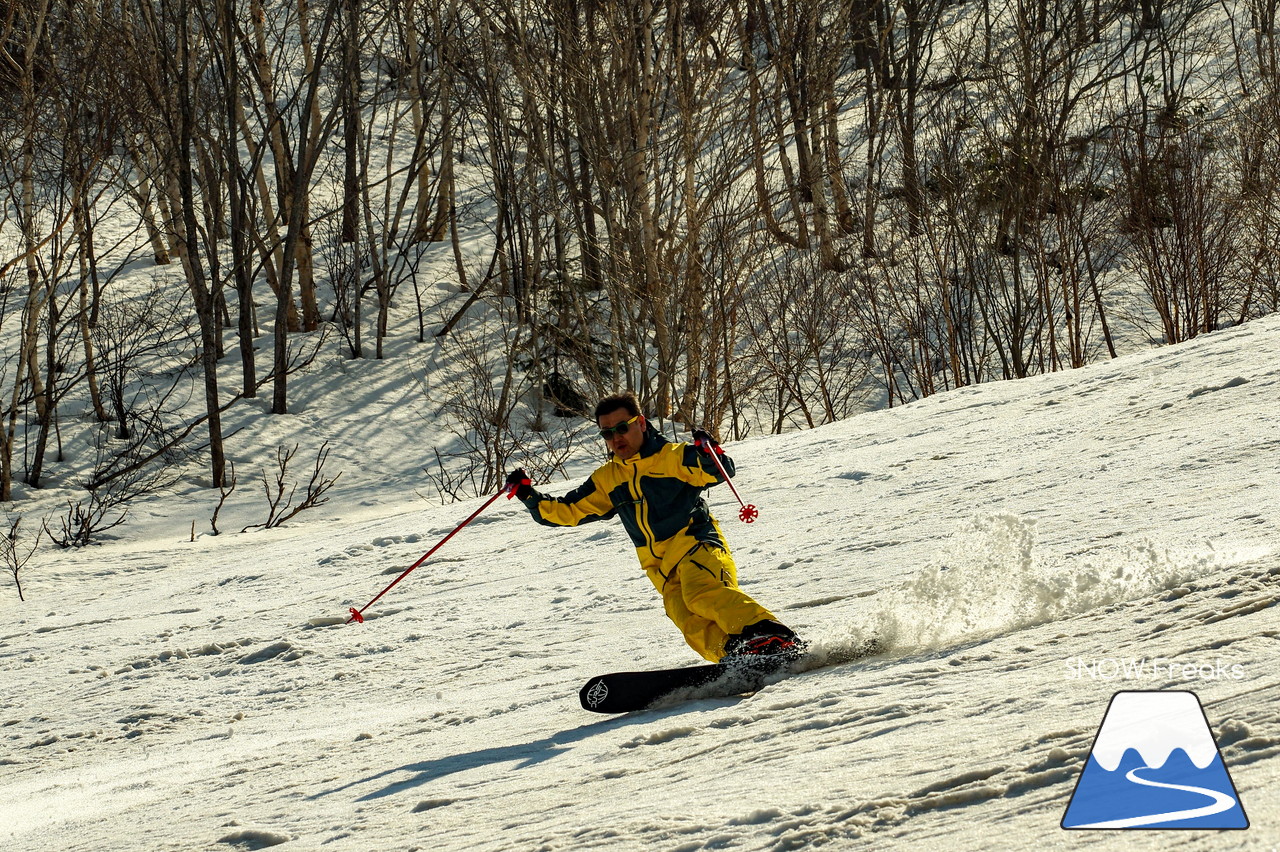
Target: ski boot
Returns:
[[763, 646]]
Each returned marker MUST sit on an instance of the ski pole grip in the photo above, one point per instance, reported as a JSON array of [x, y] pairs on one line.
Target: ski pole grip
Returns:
[[513, 488]]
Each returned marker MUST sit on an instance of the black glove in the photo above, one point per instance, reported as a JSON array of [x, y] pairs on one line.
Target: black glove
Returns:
[[519, 483], [702, 440]]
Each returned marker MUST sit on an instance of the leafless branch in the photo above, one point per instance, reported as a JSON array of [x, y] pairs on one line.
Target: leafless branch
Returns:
[[280, 505], [15, 553], [224, 491]]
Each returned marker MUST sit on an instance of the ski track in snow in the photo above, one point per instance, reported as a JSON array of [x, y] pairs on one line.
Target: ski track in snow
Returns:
[[172, 695]]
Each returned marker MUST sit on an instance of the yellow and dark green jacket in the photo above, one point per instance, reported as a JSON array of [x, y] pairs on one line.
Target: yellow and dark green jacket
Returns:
[[657, 494]]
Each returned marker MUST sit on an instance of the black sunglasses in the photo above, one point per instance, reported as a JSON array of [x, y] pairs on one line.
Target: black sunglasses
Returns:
[[621, 429]]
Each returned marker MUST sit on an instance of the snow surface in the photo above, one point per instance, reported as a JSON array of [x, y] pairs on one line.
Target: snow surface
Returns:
[[1022, 547]]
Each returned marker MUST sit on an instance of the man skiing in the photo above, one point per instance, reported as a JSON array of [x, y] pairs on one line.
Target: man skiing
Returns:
[[655, 487]]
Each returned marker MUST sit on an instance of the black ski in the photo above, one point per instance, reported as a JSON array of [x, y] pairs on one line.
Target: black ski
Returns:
[[622, 692], [625, 692]]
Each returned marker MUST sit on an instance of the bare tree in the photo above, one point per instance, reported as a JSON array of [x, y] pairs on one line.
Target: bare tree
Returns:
[[281, 507], [478, 401], [803, 342], [24, 36], [296, 159], [1184, 232], [16, 551], [141, 339], [908, 38], [1257, 155], [224, 492], [161, 60], [121, 475]]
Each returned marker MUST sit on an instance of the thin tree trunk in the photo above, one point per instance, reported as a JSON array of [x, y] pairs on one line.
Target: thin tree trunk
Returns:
[[186, 232], [237, 191], [84, 231], [159, 248]]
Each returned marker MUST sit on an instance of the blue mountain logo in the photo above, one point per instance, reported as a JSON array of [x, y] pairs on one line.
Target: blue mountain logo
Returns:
[[1154, 764]]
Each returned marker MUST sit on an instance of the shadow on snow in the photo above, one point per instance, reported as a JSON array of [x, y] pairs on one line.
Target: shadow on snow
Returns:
[[525, 754]]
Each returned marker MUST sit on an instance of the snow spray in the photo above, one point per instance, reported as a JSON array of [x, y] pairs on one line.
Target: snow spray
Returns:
[[993, 578]]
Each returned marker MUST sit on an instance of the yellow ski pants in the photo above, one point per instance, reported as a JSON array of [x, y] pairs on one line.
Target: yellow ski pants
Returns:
[[700, 594]]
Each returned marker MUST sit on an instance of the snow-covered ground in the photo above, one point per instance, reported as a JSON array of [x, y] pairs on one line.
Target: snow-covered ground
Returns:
[[1013, 544]]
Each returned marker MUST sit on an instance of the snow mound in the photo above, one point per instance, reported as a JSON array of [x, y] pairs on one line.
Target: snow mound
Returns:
[[252, 838]]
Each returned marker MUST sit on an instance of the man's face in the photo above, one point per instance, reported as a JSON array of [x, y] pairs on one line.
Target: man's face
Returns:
[[626, 443]]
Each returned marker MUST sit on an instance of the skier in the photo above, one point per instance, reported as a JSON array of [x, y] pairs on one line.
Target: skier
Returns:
[[655, 487]]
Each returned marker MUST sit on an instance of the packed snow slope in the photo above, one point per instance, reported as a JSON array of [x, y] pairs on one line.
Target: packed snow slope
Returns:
[[1020, 547]]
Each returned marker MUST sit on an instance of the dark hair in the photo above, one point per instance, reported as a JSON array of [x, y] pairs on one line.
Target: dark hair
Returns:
[[612, 403]]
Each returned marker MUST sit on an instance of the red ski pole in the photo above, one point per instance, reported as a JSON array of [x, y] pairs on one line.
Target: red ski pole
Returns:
[[749, 512], [358, 614]]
